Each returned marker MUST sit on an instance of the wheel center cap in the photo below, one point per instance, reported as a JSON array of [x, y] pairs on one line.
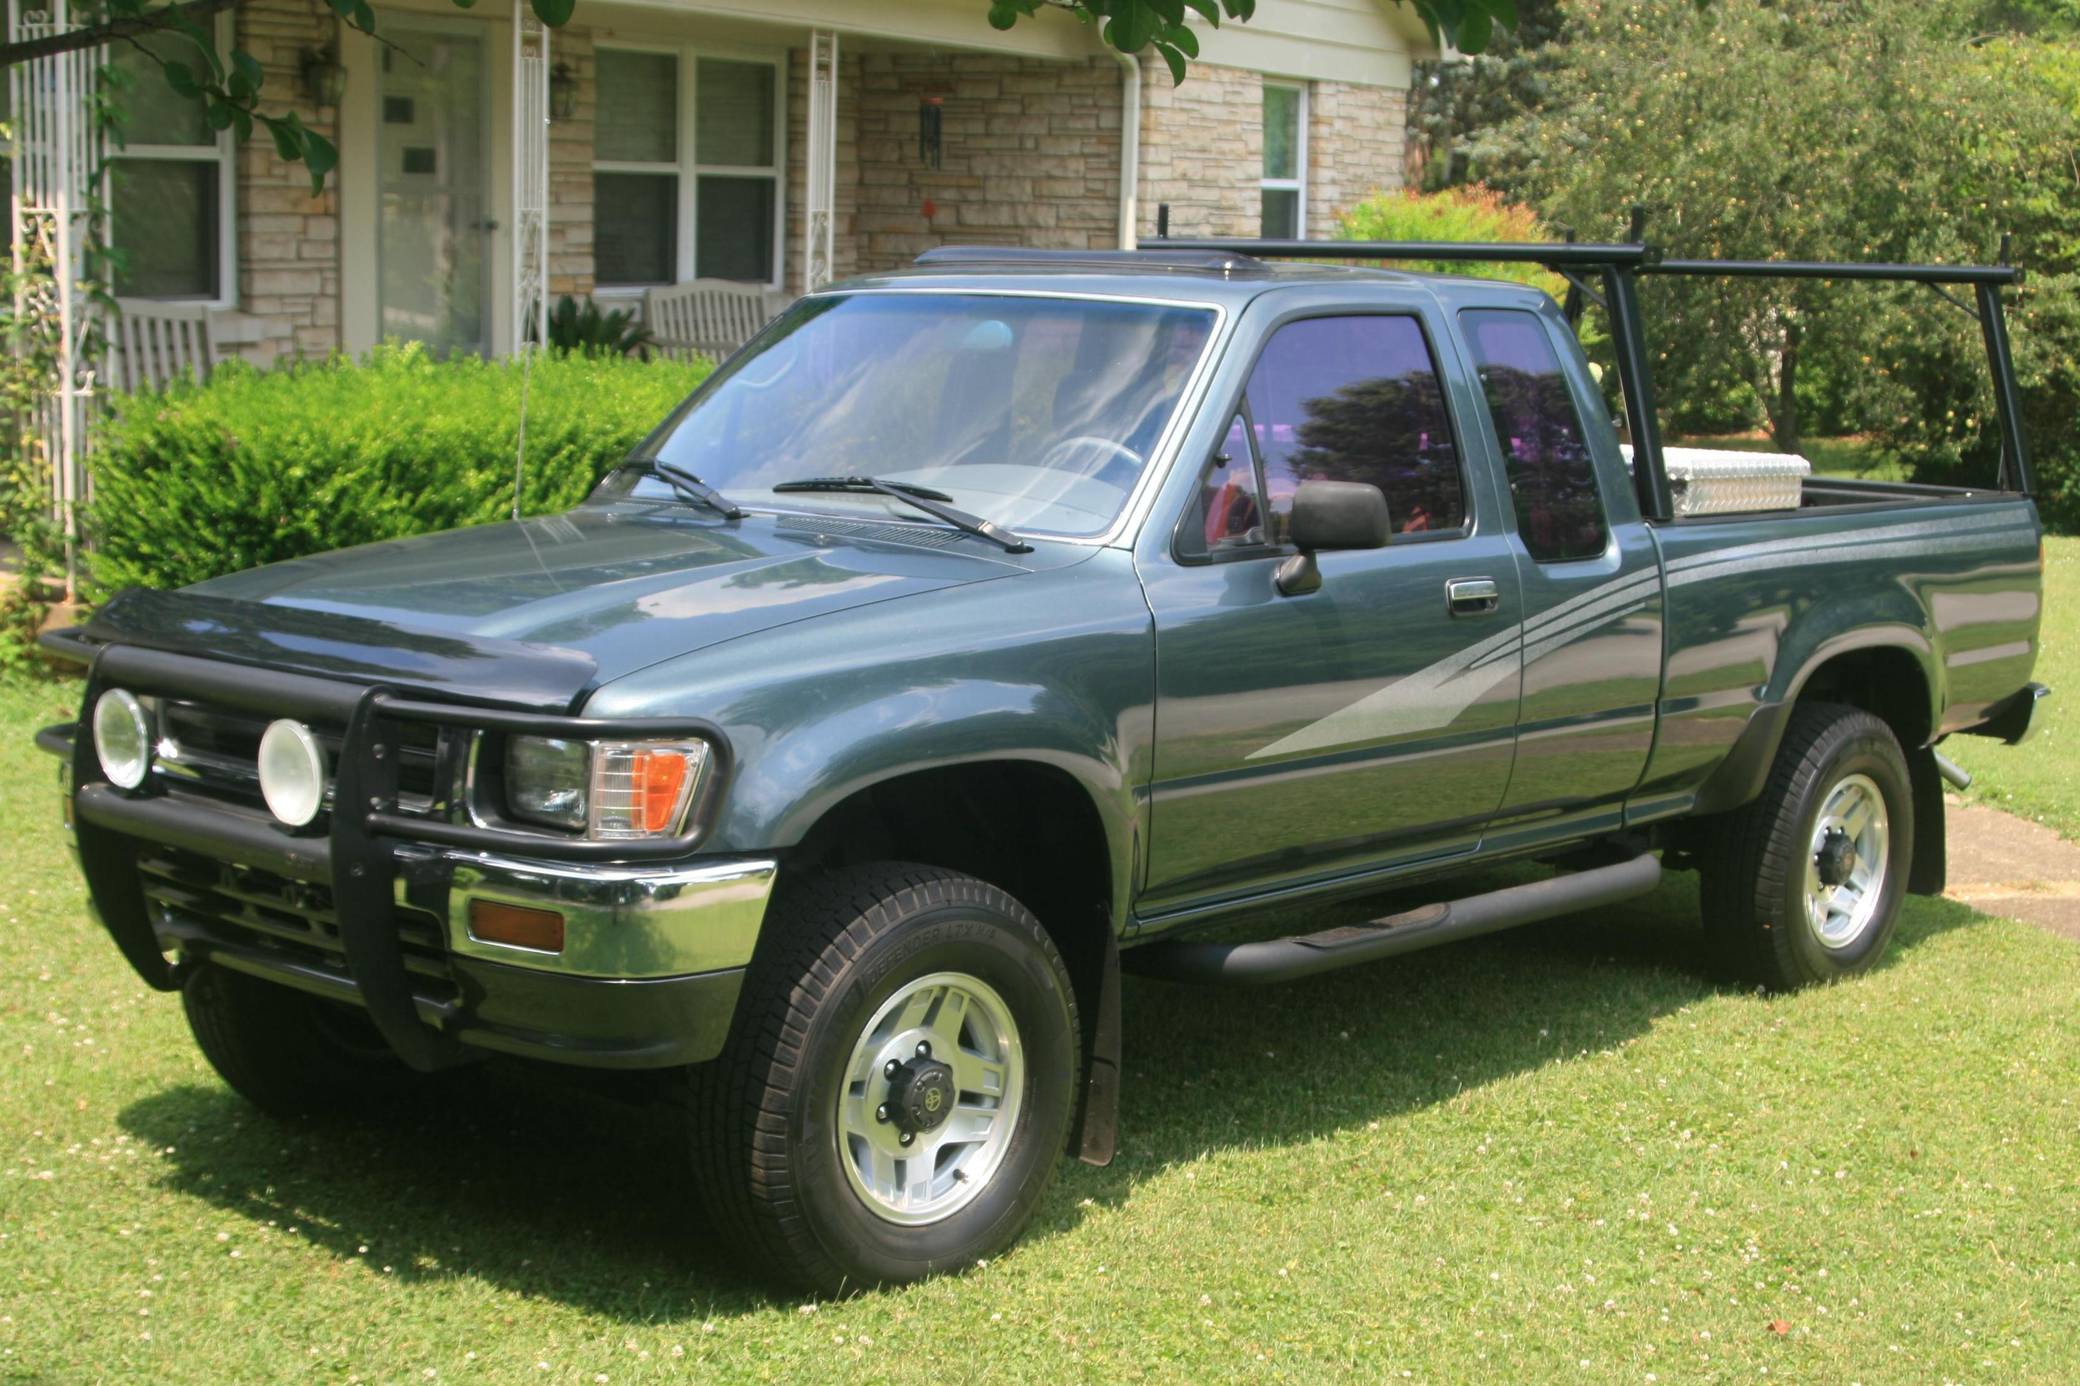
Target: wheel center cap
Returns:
[[920, 1095], [1836, 857]]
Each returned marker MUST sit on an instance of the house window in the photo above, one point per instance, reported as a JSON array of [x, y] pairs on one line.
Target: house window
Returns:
[[1283, 188], [686, 160], [170, 185]]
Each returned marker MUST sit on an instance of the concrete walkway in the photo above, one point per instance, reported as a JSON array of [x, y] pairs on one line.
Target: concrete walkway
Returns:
[[2001, 864]]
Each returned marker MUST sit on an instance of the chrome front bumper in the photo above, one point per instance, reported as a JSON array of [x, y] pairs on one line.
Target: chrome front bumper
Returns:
[[619, 921]]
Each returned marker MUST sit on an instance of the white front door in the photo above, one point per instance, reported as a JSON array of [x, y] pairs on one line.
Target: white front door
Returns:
[[434, 235]]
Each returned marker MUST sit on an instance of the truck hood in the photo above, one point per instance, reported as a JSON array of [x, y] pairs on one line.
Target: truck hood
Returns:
[[596, 593]]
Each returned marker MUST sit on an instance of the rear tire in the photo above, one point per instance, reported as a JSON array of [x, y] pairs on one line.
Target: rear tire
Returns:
[[1804, 884], [887, 1002], [288, 1053]]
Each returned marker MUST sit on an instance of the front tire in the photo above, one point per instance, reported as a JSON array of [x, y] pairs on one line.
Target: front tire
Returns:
[[288, 1053], [1804, 884], [898, 1086]]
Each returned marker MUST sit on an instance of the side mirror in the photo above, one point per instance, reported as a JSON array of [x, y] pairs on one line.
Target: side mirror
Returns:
[[1331, 515]]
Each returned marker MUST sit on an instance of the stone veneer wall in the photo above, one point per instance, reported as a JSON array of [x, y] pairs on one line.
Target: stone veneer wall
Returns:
[[570, 171], [288, 239], [1202, 149], [1029, 154], [1357, 138]]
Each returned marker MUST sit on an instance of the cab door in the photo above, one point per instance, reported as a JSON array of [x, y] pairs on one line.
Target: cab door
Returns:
[[1590, 572], [1368, 722]]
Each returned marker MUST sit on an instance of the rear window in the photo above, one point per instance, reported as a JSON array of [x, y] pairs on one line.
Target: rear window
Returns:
[[1552, 477]]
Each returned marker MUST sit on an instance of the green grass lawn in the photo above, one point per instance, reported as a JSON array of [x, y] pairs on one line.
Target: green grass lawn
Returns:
[[1554, 1154]]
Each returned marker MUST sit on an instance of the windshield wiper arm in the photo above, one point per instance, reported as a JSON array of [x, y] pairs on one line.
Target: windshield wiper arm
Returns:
[[923, 498], [693, 488]]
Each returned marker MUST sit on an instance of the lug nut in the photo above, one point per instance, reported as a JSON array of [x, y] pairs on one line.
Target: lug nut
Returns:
[[908, 1137], [881, 1112], [924, 1049], [888, 1070]]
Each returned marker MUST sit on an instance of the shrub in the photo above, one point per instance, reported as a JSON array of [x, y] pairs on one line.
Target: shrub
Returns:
[[258, 466], [594, 331], [1472, 213]]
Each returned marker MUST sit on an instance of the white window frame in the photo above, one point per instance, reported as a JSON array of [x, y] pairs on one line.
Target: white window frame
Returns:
[[227, 194], [1297, 184], [688, 168]]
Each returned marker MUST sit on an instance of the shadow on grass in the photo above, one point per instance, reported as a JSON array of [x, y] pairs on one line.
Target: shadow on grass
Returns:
[[537, 1185]]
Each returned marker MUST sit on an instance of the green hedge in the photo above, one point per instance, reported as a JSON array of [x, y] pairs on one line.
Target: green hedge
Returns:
[[259, 466]]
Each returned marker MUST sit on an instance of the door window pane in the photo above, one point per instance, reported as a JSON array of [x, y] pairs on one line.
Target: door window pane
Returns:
[[734, 113], [1552, 477], [1357, 399], [1281, 132], [733, 229], [1281, 214], [638, 112], [164, 222], [635, 233]]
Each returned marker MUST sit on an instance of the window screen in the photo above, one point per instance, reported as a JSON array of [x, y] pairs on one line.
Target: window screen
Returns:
[[1552, 477], [1357, 399]]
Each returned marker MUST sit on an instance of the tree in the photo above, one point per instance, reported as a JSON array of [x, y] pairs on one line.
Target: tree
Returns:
[[229, 86], [1849, 129]]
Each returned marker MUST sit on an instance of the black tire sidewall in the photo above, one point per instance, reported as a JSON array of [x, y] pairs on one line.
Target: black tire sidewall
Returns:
[[1877, 756], [994, 949]]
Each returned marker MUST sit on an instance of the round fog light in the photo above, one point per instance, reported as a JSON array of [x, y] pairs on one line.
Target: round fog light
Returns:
[[122, 738], [292, 772]]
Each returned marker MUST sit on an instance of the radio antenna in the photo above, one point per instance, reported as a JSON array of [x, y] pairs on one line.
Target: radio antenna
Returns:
[[527, 350]]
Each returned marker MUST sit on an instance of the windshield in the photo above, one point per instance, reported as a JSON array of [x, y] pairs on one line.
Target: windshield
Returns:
[[1037, 413]]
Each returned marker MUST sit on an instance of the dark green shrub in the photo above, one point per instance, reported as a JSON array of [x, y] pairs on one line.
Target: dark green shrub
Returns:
[[255, 467], [593, 331]]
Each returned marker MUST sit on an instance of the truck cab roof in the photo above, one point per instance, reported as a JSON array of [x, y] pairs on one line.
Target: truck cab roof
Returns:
[[1225, 278]]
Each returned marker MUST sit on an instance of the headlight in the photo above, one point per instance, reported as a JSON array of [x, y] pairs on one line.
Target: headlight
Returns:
[[122, 738], [604, 789], [292, 772]]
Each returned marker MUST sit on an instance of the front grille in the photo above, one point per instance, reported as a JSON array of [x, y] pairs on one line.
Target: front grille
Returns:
[[257, 911], [216, 751]]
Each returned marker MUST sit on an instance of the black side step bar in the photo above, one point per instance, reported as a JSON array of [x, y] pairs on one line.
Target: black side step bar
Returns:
[[1288, 959]]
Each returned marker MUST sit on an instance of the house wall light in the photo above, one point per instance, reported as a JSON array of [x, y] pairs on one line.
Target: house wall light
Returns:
[[324, 77], [563, 92]]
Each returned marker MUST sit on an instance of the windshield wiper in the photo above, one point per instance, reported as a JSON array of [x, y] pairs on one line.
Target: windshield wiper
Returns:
[[922, 497], [693, 488]]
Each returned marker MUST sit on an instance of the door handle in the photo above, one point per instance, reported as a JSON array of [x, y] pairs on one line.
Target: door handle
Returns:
[[1472, 596]]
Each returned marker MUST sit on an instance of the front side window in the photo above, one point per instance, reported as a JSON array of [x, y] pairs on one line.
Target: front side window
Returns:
[[169, 184], [1039, 413], [1283, 187], [1228, 513], [686, 169], [1552, 475], [1356, 399]]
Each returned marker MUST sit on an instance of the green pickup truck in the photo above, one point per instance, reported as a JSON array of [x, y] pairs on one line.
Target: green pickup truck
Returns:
[[985, 629]]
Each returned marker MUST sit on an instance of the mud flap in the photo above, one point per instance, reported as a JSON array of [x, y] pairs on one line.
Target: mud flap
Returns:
[[1930, 870], [1097, 1122]]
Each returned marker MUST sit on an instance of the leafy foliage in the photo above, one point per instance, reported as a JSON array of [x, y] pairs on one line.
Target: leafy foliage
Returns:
[[254, 467], [1870, 131], [1452, 214], [1460, 113], [593, 331]]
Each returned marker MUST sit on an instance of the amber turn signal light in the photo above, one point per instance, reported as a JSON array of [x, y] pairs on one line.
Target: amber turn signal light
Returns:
[[517, 926]]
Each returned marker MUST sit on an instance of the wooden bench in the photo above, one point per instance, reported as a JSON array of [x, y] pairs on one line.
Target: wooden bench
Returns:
[[152, 344], [709, 317]]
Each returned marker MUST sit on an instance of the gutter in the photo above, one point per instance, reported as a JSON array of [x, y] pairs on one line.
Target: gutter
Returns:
[[1129, 149]]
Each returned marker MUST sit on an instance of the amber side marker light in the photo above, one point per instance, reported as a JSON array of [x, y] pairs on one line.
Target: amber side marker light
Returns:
[[516, 926]]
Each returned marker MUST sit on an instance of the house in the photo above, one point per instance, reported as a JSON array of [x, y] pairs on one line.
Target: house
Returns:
[[780, 142]]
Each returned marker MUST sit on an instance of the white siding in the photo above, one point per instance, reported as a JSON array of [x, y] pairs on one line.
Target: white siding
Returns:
[[1374, 42]]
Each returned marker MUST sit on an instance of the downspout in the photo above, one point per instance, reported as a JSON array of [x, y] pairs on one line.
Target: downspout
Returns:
[[1129, 149]]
